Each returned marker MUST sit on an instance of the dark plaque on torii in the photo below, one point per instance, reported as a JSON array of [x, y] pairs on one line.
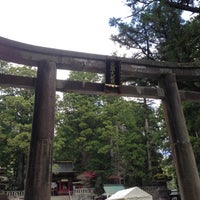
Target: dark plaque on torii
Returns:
[[113, 74]]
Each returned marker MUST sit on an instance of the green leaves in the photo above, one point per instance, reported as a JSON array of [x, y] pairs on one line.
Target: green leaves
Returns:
[[16, 110], [149, 30], [100, 132], [20, 142]]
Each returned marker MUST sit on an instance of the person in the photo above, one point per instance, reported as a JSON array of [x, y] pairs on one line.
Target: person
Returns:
[[53, 188]]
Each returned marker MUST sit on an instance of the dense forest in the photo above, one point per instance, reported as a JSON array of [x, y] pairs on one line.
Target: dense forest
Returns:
[[110, 135]]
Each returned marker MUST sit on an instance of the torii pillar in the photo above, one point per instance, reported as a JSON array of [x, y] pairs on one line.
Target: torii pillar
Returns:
[[186, 169], [38, 181]]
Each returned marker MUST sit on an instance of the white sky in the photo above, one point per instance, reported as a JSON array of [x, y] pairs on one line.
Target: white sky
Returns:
[[77, 25]]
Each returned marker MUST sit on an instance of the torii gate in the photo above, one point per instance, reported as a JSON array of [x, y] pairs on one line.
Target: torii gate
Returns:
[[49, 60]]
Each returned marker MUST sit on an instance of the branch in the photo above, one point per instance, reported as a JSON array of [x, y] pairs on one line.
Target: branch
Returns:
[[181, 6]]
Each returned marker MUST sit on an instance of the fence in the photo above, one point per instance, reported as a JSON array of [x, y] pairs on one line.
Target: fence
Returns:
[[83, 194], [15, 195], [78, 194]]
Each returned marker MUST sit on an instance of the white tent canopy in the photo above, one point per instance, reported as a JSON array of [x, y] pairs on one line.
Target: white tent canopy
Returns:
[[134, 193]]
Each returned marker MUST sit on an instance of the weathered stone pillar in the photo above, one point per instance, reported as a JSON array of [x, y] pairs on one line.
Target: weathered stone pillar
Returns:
[[186, 169], [38, 181]]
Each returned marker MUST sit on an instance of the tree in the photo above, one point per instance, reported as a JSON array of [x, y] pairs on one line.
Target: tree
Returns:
[[79, 126], [152, 31], [192, 113], [16, 108], [148, 31], [189, 41], [104, 134], [187, 5]]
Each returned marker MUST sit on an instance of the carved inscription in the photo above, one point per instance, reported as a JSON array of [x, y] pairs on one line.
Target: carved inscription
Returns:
[[113, 73]]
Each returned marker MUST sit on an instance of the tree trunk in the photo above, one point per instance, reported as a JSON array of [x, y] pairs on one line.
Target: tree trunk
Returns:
[[147, 133], [20, 172]]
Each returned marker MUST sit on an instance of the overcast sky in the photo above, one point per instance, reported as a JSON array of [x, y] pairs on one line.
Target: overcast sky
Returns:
[[78, 25]]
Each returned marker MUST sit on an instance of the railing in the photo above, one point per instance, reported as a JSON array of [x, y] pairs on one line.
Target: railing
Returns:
[[18, 195], [84, 191], [83, 194], [78, 194]]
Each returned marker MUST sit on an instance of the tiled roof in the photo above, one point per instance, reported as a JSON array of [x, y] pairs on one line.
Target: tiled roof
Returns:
[[112, 188], [62, 167]]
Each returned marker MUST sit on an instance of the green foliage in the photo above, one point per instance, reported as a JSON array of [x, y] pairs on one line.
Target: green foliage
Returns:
[[155, 30], [192, 113], [80, 124], [16, 108], [196, 145], [151, 33], [104, 134], [85, 76], [99, 133], [190, 41], [148, 32]]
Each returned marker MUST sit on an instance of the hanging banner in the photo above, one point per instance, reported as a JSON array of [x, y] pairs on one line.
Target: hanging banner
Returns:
[[113, 73]]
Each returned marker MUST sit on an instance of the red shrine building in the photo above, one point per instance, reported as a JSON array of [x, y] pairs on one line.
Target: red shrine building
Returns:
[[64, 178]]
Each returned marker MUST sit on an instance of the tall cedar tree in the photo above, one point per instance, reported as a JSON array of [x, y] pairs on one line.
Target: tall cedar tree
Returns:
[[156, 30], [104, 134], [16, 109]]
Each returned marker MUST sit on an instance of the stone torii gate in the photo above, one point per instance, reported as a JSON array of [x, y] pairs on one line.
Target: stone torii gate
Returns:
[[117, 71]]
